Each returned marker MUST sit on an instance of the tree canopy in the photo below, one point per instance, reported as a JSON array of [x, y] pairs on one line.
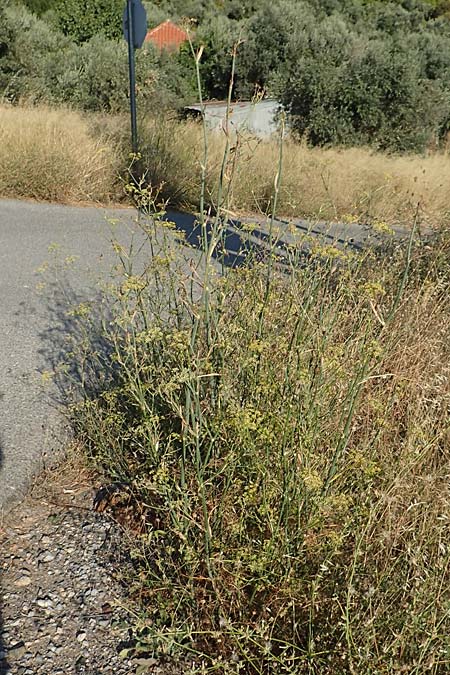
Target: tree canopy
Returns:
[[347, 71]]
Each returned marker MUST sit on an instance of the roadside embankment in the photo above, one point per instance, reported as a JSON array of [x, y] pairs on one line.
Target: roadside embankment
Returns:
[[64, 156]]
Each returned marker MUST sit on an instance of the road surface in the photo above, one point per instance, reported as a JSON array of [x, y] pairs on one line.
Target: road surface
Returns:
[[31, 426]]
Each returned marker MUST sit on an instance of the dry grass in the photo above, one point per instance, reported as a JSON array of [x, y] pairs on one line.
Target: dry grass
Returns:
[[317, 183], [49, 154], [336, 183], [60, 155]]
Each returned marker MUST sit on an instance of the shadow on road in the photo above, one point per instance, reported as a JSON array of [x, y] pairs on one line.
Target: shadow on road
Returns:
[[73, 346], [250, 237], [242, 242], [75, 352]]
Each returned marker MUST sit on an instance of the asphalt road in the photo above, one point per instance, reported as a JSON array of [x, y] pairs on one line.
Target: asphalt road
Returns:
[[31, 423]]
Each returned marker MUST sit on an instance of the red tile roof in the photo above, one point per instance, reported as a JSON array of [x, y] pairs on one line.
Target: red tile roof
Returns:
[[167, 36]]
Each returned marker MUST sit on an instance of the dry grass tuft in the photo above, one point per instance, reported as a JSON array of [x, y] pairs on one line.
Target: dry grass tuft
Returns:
[[335, 183], [49, 154]]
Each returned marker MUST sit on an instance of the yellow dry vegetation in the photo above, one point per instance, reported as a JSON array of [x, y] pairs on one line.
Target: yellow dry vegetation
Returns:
[[50, 154], [62, 155], [329, 183], [357, 181]]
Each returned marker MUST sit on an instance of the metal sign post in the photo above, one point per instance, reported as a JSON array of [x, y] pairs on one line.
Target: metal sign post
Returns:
[[134, 31], [132, 73]]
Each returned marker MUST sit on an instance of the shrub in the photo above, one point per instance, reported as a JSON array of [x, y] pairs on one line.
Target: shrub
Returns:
[[27, 43], [216, 36], [83, 21], [362, 92], [263, 53], [282, 438], [93, 76], [39, 7], [39, 63]]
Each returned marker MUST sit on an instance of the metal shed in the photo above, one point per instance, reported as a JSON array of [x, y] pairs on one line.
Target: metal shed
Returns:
[[259, 118]]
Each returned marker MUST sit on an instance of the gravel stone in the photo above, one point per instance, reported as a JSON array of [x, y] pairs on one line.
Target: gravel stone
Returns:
[[57, 572], [60, 568]]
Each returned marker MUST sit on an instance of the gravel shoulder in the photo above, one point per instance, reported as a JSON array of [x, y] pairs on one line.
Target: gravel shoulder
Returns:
[[62, 599]]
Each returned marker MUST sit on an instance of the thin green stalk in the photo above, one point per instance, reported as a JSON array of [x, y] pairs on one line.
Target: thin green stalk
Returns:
[[354, 391], [197, 58], [277, 185], [404, 280], [217, 223]]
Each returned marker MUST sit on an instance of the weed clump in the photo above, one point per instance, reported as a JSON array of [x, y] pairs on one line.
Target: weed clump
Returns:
[[283, 435]]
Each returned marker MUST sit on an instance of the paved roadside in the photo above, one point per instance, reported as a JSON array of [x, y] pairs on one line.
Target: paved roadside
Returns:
[[30, 424]]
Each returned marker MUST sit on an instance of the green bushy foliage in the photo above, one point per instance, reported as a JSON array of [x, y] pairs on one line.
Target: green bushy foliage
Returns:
[[263, 53], [39, 7], [8, 65], [155, 14], [93, 76], [353, 74], [342, 90], [83, 20], [27, 44], [199, 9], [176, 83], [39, 63]]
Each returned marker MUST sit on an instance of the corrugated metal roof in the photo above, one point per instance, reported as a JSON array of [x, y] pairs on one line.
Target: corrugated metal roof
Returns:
[[234, 105], [167, 36]]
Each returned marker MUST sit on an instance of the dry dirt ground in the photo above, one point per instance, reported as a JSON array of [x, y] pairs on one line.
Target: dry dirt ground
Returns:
[[63, 564]]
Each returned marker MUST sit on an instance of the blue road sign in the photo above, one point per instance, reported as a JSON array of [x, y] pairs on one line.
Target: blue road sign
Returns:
[[139, 28]]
